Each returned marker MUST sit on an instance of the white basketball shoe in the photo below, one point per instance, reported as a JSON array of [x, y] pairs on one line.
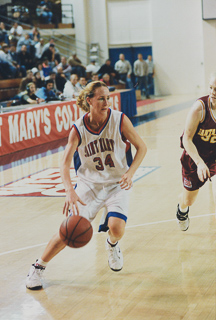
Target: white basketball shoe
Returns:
[[115, 256], [182, 219], [34, 277]]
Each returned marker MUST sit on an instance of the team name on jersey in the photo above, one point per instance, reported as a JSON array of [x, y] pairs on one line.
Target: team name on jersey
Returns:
[[100, 145], [208, 135]]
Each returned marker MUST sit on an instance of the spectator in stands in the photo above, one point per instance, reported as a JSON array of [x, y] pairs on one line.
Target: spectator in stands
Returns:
[[12, 60], [26, 80], [6, 61], [51, 41], [124, 69], [82, 83], [46, 67], [28, 42], [29, 96], [24, 58], [106, 79], [39, 48], [15, 32], [47, 92], [141, 73], [35, 34], [151, 73], [39, 66], [77, 66], [6, 70], [66, 68], [94, 77], [52, 76], [51, 55], [60, 79], [38, 81], [107, 68], [92, 67], [71, 90], [3, 33], [44, 10]]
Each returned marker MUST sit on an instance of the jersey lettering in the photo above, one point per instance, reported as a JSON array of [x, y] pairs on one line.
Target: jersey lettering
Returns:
[[101, 145], [207, 135]]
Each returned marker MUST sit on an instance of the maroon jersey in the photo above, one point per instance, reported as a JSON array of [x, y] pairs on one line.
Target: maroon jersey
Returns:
[[205, 142], [205, 136]]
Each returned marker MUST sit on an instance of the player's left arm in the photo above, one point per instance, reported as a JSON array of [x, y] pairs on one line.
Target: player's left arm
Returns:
[[131, 135]]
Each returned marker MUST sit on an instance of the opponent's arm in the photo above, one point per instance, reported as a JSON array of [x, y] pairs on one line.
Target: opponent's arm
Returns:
[[131, 135], [193, 119], [71, 196]]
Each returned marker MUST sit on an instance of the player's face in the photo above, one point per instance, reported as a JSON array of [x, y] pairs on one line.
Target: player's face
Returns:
[[100, 102], [212, 89]]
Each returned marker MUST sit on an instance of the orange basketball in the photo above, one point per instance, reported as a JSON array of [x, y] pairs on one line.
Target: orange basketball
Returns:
[[75, 231]]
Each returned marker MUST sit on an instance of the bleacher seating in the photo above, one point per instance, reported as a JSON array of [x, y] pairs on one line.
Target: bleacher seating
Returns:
[[9, 88]]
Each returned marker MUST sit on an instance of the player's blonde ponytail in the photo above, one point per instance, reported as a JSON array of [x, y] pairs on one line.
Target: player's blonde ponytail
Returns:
[[88, 91]]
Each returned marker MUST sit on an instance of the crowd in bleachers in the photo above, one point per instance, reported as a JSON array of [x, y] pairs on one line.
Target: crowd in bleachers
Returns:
[[50, 75]]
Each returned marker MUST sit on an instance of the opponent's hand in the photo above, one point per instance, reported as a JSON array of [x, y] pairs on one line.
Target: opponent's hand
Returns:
[[203, 171], [71, 203]]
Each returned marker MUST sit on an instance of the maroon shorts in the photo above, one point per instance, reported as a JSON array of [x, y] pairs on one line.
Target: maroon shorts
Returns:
[[189, 172]]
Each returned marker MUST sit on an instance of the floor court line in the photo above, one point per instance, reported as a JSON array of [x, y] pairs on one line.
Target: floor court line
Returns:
[[95, 233]]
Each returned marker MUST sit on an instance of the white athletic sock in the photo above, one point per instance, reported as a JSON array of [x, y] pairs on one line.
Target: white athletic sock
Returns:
[[40, 262], [183, 210], [110, 242]]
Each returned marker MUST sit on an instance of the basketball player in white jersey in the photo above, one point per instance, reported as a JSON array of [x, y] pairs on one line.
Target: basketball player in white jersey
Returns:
[[99, 143]]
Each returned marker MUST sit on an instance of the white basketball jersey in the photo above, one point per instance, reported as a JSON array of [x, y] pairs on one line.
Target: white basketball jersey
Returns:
[[101, 156]]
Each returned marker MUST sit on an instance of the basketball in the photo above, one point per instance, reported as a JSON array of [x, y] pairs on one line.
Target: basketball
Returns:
[[75, 231]]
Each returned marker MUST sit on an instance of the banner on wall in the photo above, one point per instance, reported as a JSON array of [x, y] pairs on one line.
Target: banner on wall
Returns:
[[41, 124]]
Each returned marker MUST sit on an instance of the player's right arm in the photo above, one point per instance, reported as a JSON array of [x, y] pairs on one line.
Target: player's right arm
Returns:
[[71, 196], [193, 119]]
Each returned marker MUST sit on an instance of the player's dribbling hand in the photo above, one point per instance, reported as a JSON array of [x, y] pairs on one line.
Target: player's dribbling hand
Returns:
[[70, 204], [126, 181], [203, 171]]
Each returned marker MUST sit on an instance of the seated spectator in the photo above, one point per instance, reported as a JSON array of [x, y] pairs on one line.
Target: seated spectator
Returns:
[[28, 42], [94, 77], [71, 90], [66, 68], [15, 32], [3, 33], [46, 67], [29, 96], [60, 79], [82, 83], [107, 68], [77, 66], [35, 34], [52, 76], [92, 67], [7, 71], [25, 58], [39, 48], [26, 80], [51, 55], [106, 79], [40, 69], [51, 41], [44, 10], [12, 58], [38, 81], [47, 92], [5, 55]]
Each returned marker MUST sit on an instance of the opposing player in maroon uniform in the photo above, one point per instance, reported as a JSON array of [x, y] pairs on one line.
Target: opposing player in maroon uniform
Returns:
[[199, 155]]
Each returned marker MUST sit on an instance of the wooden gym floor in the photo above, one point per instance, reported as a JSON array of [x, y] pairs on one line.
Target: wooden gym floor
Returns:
[[167, 274]]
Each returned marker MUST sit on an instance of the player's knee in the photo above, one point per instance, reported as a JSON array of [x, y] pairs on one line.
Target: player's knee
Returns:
[[117, 228]]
